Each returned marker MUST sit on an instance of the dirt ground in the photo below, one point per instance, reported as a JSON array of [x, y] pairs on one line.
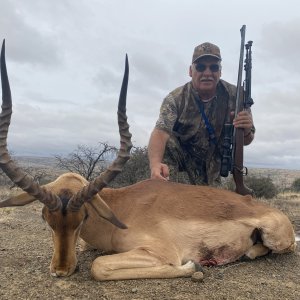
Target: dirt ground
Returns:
[[26, 249]]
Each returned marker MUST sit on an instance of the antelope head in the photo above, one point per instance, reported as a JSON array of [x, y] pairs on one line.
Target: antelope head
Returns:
[[64, 208]]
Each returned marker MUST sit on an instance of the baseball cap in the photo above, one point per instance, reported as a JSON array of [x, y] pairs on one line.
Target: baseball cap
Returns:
[[206, 49]]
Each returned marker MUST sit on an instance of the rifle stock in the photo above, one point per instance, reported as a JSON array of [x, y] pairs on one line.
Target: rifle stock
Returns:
[[238, 170]]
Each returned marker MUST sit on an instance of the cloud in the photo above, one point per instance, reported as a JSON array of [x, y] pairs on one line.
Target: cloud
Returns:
[[26, 43], [279, 44], [66, 62]]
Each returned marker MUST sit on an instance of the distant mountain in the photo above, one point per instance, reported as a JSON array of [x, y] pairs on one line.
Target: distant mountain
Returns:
[[280, 177], [36, 161]]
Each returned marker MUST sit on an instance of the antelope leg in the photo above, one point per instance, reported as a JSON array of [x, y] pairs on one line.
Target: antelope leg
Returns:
[[135, 264], [257, 250]]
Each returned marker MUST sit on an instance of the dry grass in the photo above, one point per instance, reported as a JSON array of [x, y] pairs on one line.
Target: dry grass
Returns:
[[288, 202], [25, 258]]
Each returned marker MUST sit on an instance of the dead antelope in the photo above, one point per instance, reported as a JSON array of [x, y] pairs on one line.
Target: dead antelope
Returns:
[[170, 227]]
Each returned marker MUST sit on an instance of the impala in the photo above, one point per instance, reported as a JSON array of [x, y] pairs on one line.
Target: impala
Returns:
[[156, 229]]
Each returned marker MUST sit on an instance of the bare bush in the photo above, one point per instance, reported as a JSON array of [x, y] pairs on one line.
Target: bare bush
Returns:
[[87, 161], [39, 174]]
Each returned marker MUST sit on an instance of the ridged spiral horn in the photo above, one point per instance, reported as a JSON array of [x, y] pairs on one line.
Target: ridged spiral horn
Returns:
[[87, 192], [10, 168]]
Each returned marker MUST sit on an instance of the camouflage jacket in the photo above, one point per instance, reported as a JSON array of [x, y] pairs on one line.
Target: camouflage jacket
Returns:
[[180, 117]]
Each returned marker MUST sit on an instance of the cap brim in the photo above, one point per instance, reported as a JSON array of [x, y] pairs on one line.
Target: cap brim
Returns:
[[204, 55]]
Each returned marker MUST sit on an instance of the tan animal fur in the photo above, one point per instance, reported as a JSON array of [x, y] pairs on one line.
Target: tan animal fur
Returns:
[[169, 229]]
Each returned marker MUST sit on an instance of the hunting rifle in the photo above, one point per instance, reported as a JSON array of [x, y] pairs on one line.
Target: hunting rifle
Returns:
[[233, 146]]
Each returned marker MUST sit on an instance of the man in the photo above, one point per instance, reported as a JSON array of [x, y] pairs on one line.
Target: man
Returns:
[[190, 130]]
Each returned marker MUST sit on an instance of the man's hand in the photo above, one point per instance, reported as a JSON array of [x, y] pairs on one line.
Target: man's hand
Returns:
[[160, 171], [243, 120], [156, 149]]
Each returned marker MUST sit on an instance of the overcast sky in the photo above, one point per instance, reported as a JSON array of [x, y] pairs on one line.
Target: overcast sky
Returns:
[[65, 61]]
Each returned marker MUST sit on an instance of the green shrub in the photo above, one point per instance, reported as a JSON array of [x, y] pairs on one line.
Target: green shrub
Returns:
[[296, 185], [263, 187], [136, 169]]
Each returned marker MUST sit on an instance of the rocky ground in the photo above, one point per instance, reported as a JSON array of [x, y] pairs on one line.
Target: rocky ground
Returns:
[[26, 249]]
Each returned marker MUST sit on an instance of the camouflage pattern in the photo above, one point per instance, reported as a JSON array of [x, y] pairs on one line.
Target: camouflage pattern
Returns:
[[206, 49], [188, 148]]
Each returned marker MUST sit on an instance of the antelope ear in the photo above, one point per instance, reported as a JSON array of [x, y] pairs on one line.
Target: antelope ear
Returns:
[[19, 200], [22, 199], [104, 211]]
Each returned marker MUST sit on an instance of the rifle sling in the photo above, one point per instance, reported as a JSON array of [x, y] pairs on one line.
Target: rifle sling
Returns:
[[209, 127]]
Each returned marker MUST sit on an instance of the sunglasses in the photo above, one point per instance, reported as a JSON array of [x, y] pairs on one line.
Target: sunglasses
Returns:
[[202, 67]]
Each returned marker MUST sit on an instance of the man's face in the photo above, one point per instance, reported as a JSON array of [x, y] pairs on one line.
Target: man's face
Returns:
[[206, 73]]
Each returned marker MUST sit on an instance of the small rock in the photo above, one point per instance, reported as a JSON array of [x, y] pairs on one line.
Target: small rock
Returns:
[[220, 275], [134, 290], [198, 267], [197, 277]]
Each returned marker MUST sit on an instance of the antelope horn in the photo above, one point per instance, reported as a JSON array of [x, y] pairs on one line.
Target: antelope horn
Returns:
[[90, 190], [10, 168]]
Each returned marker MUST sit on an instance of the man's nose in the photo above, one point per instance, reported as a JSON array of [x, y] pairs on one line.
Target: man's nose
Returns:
[[207, 71]]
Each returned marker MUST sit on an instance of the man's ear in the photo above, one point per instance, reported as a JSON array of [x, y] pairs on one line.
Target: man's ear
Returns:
[[190, 70]]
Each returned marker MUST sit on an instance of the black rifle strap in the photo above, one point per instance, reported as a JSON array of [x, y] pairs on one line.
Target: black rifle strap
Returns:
[[209, 128]]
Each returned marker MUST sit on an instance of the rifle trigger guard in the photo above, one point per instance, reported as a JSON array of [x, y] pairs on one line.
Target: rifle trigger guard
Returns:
[[243, 170]]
